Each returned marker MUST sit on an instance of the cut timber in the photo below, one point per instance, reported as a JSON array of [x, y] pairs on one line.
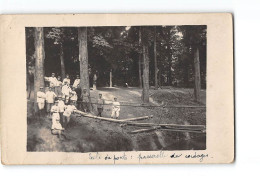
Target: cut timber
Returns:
[[142, 130], [109, 119], [158, 128], [136, 118], [168, 126], [189, 131]]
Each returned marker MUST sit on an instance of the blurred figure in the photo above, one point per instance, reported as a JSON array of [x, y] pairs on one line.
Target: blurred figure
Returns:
[[50, 97], [67, 79], [67, 113], [100, 105], [56, 128], [41, 96], [58, 86], [66, 92], [85, 101], [76, 82], [115, 109]]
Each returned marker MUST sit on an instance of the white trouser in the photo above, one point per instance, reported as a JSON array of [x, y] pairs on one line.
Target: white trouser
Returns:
[[40, 105], [115, 113]]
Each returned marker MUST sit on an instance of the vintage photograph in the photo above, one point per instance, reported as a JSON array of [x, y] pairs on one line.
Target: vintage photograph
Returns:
[[116, 88]]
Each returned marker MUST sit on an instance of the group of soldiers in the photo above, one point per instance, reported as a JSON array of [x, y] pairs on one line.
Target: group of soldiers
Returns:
[[61, 100]]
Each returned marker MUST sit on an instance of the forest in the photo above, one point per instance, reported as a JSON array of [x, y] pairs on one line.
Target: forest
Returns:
[[157, 73], [141, 56]]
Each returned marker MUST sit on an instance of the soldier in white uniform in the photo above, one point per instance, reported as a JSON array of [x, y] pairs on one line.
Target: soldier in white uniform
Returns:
[[76, 82], [56, 127], [73, 95], [115, 108], [67, 113], [50, 97], [58, 86], [66, 92], [61, 106], [67, 79], [41, 96], [52, 80]]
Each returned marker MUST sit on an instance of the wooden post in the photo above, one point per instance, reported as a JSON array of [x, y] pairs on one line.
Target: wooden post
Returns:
[[197, 85]]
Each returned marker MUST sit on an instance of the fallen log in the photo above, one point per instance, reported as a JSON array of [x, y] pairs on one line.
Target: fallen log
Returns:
[[110, 119], [178, 130], [142, 130], [158, 128], [136, 118], [169, 126]]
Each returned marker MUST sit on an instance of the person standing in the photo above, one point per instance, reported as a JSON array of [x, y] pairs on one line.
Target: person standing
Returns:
[[61, 106], [56, 128], [115, 109], [66, 92], [73, 95], [67, 79], [76, 82], [58, 86], [50, 97], [85, 101], [41, 96], [67, 113], [52, 80], [100, 105]]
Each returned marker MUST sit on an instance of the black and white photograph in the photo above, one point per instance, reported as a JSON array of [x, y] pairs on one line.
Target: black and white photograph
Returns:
[[116, 88]]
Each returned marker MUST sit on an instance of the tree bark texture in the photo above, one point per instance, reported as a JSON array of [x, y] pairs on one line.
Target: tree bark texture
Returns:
[[39, 62], [83, 58], [62, 64], [197, 81], [155, 62]]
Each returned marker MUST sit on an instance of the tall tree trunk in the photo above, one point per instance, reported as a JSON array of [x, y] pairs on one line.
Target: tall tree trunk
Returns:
[[140, 60], [170, 67], [155, 62], [62, 64], [110, 79], [39, 62], [197, 85], [83, 58], [145, 70]]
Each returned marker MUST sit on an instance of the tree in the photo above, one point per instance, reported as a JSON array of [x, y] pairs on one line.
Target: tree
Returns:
[[194, 38], [39, 62], [197, 81], [155, 62], [145, 95], [140, 59], [83, 58]]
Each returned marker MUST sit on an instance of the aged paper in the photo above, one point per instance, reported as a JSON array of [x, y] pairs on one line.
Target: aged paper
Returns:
[[219, 143]]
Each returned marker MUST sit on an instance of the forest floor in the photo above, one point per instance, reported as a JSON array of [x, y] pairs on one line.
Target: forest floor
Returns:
[[90, 135]]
